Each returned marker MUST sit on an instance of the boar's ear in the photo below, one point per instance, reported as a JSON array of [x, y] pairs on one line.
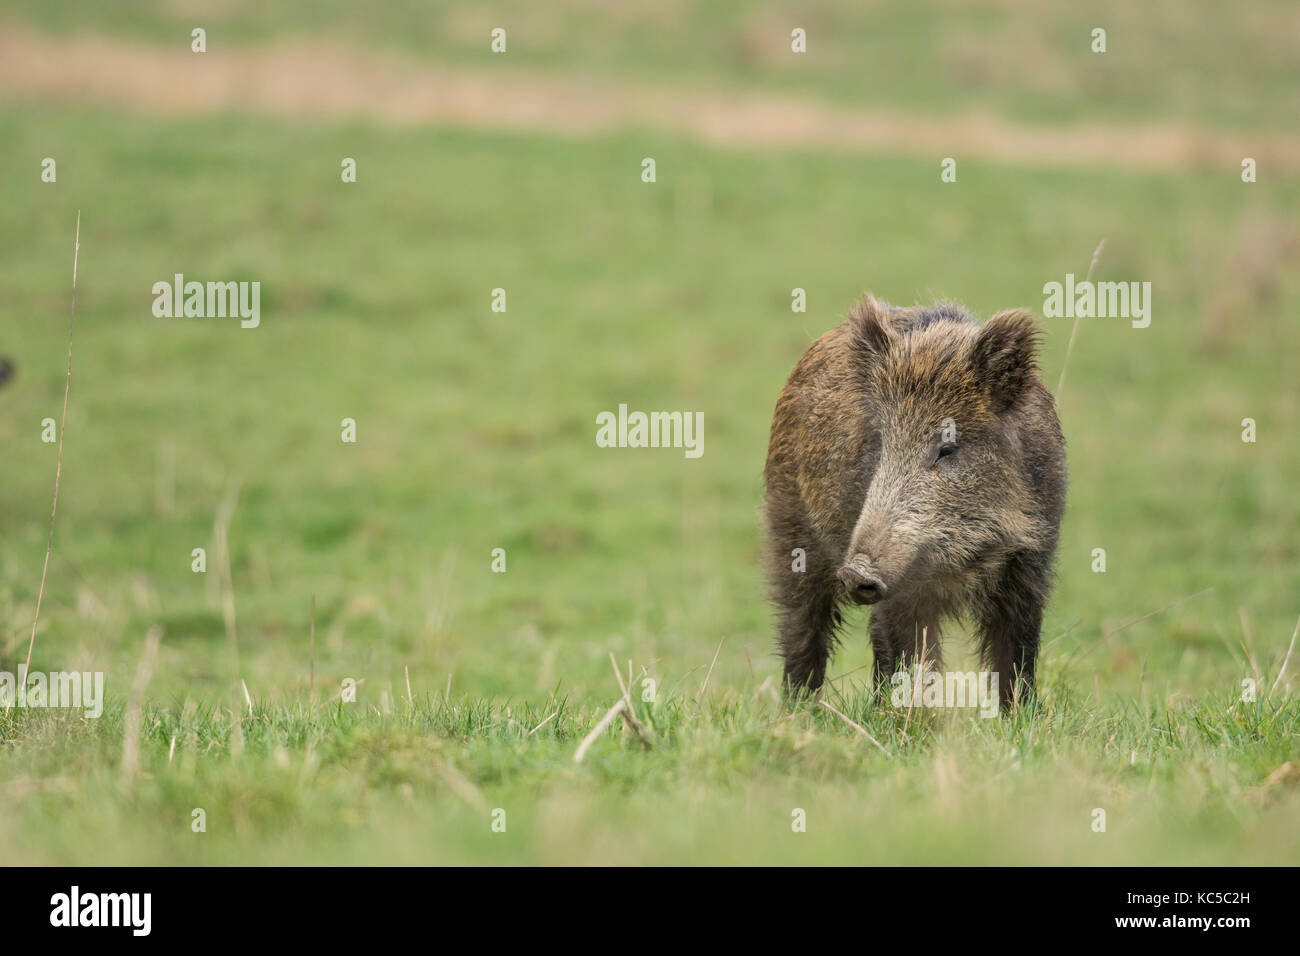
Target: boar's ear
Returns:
[[1005, 355], [869, 326]]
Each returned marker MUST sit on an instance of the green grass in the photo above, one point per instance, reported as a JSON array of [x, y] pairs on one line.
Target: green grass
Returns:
[[424, 783], [476, 431], [1166, 61]]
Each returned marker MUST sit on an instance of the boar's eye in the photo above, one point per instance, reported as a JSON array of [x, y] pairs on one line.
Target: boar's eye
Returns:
[[945, 451]]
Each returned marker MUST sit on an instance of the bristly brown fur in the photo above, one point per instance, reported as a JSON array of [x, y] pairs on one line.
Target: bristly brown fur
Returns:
[[862, 481]]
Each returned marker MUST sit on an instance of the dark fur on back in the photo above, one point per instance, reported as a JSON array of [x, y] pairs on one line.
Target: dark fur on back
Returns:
[[908, 320], [917, 463]]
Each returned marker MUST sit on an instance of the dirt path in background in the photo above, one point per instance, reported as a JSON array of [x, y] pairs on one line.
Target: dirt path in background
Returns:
[[330, 81]]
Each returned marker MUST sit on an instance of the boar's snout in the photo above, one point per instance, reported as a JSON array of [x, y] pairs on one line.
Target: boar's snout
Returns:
[[863, 584]]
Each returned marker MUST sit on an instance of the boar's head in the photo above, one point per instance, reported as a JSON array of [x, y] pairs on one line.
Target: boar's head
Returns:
[[942, 400]]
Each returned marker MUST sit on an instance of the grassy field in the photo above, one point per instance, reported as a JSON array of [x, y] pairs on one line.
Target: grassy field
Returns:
[[1030, 61], [476, 431]]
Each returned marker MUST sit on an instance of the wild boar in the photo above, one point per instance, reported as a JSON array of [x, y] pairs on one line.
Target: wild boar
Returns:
[[916, 464]]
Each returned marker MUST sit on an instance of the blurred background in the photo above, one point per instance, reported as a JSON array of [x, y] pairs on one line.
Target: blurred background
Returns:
[[522, 171]]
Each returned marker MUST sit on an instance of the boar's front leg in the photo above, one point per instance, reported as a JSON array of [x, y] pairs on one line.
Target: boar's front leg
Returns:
[[807, 635], [902, 636], [885, 647], [804, 590], [1010, 620]]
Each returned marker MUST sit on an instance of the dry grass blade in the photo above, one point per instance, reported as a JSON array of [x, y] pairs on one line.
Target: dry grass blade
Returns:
[[1109, 634], [311, 671], [58, 467], [1248, 646], [643, 732], [599, 729], [622, 684], [917, 682], [1285, 660], [131, 742], [705, 686], [341, 692], [221, 540], [1070, 346], [461, 786], [856, 726], [543, 723]]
